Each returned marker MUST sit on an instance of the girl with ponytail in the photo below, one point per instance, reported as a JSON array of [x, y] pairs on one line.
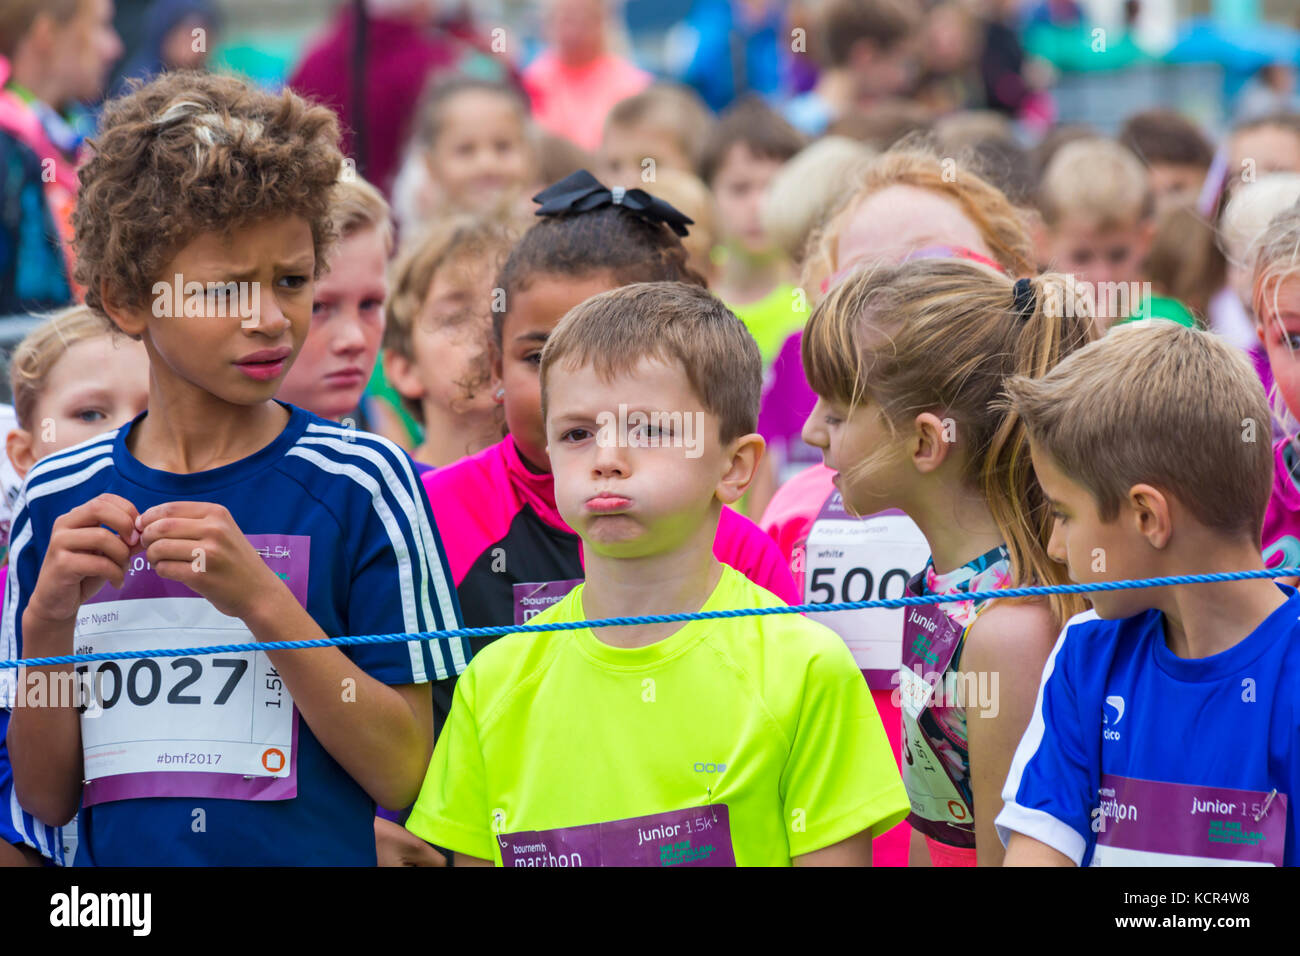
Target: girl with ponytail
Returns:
[[908, 364]]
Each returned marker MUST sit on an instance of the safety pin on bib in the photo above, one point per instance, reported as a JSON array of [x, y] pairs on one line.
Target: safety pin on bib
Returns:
[[1264, 809], [708, 802]]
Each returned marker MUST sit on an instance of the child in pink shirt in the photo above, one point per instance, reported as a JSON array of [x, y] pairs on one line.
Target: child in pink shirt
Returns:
[[1276, 298]]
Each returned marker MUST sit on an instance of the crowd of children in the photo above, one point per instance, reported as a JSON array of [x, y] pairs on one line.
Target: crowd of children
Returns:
[[711, 365]]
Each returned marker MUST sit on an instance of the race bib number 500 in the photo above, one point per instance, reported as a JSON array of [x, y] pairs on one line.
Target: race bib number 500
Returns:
[[209, 725], [859, 559]]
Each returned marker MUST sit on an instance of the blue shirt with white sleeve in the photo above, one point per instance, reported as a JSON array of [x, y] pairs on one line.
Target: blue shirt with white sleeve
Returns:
[[1135, 756], [204, 759]]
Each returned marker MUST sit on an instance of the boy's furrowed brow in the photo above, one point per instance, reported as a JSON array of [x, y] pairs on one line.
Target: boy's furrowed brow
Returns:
[[239, 272]]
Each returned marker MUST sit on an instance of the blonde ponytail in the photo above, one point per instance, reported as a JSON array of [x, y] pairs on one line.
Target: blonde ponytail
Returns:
[[1059, 319], [945, 334]]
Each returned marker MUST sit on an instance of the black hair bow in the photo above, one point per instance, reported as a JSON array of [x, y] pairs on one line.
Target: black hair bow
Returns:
[[582, 192]]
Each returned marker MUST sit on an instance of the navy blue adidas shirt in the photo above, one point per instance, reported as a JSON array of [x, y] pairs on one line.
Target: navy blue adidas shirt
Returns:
[[1116, 701], [376, 565]]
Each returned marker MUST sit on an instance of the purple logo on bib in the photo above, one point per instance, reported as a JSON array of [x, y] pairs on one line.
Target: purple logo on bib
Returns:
[[1151, 823], [534, 597], [698, 836]]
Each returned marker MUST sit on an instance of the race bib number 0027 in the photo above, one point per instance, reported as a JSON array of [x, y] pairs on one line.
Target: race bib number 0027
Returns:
[[211, 725]]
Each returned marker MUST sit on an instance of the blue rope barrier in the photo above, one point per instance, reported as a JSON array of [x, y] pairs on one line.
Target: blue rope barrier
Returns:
[[1040, 591]]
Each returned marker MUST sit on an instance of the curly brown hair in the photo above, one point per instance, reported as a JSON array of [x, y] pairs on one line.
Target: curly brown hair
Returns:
[[192, 152]]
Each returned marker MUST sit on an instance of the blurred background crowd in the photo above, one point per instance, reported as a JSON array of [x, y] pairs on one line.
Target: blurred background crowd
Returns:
[[1117, 128]]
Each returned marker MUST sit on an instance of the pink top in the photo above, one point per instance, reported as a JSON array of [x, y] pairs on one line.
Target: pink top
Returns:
[[1281, 537], [572, 101], [19, 120]]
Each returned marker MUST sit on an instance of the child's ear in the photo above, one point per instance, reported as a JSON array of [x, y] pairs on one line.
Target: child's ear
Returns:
[[19, 448], [1151, 514], [498, 369], [932, 441], [40, 35], [125, 318], [400, 372], [746, 453]]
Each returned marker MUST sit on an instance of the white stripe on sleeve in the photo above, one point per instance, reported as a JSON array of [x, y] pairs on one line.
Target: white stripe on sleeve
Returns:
[[1041, 826]]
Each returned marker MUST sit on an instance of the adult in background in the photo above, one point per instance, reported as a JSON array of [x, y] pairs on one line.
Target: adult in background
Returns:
[[732, 47], [404, 46], [178, 35], [54, 56], [576, 80]]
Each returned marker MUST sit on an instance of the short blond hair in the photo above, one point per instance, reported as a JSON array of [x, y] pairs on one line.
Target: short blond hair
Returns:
[[40, 350], [807, 188], [1096, 180], [357, 205], [673, 322], [687, 192], [1158, 403], [1250, 210], [671, 108], [1275, 256]]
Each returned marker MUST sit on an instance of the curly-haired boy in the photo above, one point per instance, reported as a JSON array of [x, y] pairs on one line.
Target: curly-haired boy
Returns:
[[221, 516]]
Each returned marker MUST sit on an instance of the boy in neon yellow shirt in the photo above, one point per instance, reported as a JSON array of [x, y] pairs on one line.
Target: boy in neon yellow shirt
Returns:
[[749, 741]]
